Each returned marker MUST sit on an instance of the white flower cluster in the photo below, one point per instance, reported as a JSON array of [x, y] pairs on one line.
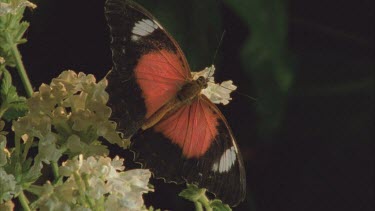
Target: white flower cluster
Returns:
[[217, 93], [68, 116], [96, 183]]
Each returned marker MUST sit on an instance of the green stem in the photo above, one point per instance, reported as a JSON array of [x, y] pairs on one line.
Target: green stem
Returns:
[[55, 170], [20, 67], [17, 155], [82, 189], [198, 206], [27, 148], [24, 201], [88, 199], [205, 202]]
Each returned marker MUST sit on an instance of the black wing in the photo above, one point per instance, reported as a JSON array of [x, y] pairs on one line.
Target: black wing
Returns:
[[135, 33]]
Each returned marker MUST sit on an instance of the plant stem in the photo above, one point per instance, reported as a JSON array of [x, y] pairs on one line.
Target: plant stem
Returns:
[[55, 170], [17, 154], [81, 189], [26, 149], [20, 67], [198, 206], [205, 202], [17, 144], [24, 201], [87, 185]]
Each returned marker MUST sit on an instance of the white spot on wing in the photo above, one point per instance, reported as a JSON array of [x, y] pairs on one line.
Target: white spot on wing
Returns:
[[135, 37], [143, 28], [226, 161]]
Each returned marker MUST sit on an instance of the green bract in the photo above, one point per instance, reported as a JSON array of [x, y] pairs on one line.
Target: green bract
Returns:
[[198, 196]]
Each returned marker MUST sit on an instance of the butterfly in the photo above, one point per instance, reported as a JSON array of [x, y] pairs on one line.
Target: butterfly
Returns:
[[176, 131]]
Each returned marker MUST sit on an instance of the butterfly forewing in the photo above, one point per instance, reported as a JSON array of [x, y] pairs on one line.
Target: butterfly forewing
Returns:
[[149, 67]]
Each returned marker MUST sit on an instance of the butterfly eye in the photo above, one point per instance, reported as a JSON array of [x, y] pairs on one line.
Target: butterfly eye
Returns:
[[202, 82], [205, 85]]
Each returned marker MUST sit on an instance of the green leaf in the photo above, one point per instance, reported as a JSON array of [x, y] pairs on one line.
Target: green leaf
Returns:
[[8, 186], [192, 193], [5, 84], [198, 196], [3, 152], [16, 109], [12, 106], [29, 176], [218, 205]]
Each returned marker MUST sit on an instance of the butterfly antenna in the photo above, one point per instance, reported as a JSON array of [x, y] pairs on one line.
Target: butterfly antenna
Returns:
[[218, 47], [248, 96], [216, 51]]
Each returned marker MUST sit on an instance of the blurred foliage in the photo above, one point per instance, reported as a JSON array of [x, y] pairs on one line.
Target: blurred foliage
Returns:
[[265, 57]]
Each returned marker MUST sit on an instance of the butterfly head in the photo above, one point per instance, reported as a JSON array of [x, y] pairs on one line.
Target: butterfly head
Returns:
[[202, 82]]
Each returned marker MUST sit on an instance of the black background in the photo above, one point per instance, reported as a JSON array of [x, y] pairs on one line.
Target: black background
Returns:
[[307, 145]]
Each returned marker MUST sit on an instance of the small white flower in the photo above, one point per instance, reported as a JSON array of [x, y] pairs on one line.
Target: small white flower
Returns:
[[71, 166], [47, 149], [217, 93]]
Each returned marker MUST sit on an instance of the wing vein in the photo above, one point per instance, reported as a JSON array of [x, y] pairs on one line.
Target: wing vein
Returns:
[[167, 60], [207, 120]]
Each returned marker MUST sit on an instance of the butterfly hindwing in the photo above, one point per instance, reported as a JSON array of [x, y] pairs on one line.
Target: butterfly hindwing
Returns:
[[193, 128], [149, 67], [213, 163]]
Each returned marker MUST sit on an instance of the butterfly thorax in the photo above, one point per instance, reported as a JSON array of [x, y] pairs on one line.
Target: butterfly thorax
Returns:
[[191, 89], [184, 96]]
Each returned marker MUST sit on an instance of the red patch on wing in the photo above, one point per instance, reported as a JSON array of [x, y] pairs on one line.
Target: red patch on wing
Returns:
[[193, 128], [160, 74]]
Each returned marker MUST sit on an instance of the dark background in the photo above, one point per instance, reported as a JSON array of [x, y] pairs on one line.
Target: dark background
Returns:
[[307, 141]]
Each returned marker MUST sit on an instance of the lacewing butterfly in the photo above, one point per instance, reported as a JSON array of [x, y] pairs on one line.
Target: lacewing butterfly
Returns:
[[176, 131]]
